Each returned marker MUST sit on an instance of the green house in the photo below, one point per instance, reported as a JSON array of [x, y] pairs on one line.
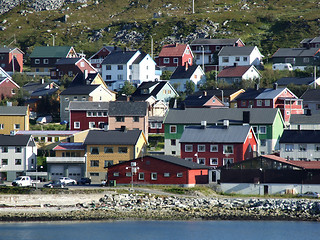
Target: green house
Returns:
[[267, 124]]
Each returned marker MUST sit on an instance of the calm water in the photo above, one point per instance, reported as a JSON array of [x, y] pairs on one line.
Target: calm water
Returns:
[[164, 230]]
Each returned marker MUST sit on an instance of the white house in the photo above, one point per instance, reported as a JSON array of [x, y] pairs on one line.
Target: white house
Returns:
[[236, 74], [18, 154], [132, 66], [240, 56], [186, 73]]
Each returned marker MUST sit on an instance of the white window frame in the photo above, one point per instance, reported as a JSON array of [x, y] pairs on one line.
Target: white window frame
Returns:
[[166, 174], [166, 60], [226, 159], [267, 103], [214, 161], [154, 176], [225, 148], [288, 147], [92, 124], [175, 60], [45, 61], [188, 148], [259, 103], [201, 161], [16, 126], [37, 61], [261, 131], [1, 125], [175, 126], [200, 146], [179, 174], [141, 176], [76, 125], [214, 148]]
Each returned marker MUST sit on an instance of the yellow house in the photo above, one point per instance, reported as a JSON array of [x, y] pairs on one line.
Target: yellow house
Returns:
[[105, 148], [14, 118]]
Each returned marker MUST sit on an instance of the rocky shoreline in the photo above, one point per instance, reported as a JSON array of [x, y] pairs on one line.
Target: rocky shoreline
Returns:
[[151, 207]]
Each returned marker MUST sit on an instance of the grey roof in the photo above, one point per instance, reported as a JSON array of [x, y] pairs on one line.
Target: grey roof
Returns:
[[113, 137], [217, 92], [47, 132], [306, 40], [235, 51], [311, 95], [215, 134], [194, 116], [6, 50], [80, 79], [139, 58], [14, 140], [295, 80], [128, 108], [305, 119], [316, 39], [158, 86], [13, 110], [295, 52], [118, 57], [261, 93], [86, 105], [208, 41], [181, 73], [179, 161], [270, 93], [300, 136], [79, 90]]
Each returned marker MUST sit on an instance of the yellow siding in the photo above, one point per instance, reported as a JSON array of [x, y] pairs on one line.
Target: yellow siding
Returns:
[[80, 136], [10, 121]]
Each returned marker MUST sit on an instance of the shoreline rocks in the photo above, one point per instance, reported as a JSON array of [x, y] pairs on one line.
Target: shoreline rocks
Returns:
[[150, 207]]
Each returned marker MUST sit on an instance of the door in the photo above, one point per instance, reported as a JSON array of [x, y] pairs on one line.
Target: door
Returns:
[[265, 189]]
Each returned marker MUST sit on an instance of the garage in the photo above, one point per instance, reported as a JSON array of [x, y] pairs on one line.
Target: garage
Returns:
[[56, 171], [74, 172]]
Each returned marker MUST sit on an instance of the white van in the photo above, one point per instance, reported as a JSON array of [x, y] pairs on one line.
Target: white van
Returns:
[[282, 66]]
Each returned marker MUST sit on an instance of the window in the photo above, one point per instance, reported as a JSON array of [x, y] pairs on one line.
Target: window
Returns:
[[1, 126], [213, 161], [70, 73], [218, 48], [243, 103], [17, 126], [302, 147], [128, 174], [306, 60], [108, 163], [202, 161], [108, 149], [213, 148], [173, 129], [166, 60], [154, 176], [13, 91], [120, 77], [166, 174], [4, 149], [76, 125], [141, 176], [263, 142], [4, 161], [179, 174], [108, 67], [259, 103], [173, 152], [37, 61], [122, 150], [188, 148], [237, 59], [175, 60], [46, 61], [267, 103], [18, 150], [56, 139], [262, 130], [49, 139], [289, 147], [17, 161], [173, 142], [119, 119], [136, 119], [108, 77], [290, 60], [245, 59], [94, 163], [227, 161], [120, 67], [225, 59], [92, 124], [227, 149], [82, 64], [94, 150], [116, 174], [317, 147], [201, 148]]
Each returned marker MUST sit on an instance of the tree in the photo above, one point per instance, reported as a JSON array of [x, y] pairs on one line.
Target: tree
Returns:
[[190, 87], [127, 89], [166, 75]]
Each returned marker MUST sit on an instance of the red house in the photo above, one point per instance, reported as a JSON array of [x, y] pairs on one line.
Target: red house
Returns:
[[97, 58], [11, 59], [8, 88], [218, 145], [159, 169], [275, 97], [85, 115], [71, 67], [174, 55]]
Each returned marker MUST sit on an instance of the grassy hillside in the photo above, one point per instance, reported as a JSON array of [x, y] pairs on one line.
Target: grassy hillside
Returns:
[[265, 23]]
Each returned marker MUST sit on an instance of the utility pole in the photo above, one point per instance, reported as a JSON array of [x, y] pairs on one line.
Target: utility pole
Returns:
[[151, 47], [193, 6]]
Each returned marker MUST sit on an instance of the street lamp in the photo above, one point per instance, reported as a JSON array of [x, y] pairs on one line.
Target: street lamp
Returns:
[[134, 169]]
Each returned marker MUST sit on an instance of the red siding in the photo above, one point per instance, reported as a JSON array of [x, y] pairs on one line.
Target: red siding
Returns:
[[81, 116], [6, 89]]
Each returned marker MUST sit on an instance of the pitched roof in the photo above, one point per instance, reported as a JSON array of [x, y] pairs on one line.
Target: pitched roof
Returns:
[[296, 52], [179, 161], [112, 137], [209, 41], [300, 136], [181, 73], [172, 50], [261, 93], [295, 80], [156, 85], [194, 116], [50, 52], [13, 110], [14, 140], [217, 92], [128, 108], [139, 58], [236, 51], [47, 132], [234, 71], [69, 146], [194, 101], [87, 105], [80, 79], [311, 95], [119, 57], [215, 134], [305, 119], [80, 89]]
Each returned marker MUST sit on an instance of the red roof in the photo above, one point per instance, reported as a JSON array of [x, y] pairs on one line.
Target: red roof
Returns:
[[172, 50], [237, 71], [301, 164]]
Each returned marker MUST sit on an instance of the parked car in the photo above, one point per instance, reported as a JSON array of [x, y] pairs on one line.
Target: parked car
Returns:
[[310, 195], [103, 183], [84, 181], [54, 184], [67, 181], [24, 181], [282, 66]]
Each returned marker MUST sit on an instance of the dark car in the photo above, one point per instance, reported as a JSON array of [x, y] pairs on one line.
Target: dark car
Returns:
[[54, 184], [84, 181]]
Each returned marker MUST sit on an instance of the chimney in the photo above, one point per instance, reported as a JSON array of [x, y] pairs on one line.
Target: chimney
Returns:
[[186, 66], [123, 129], [256, 86], [246, 117], [106, 127], [308, 112], [235, 64], [275, 86], [226, 123], [85, 74], [203, 124], [41, 81], [204, 93]]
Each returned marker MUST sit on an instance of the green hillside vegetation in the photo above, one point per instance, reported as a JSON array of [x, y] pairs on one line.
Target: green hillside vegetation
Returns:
[[267, 24]]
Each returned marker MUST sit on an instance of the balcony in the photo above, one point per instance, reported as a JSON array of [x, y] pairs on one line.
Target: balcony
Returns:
[[96, 61], [66, 159]]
